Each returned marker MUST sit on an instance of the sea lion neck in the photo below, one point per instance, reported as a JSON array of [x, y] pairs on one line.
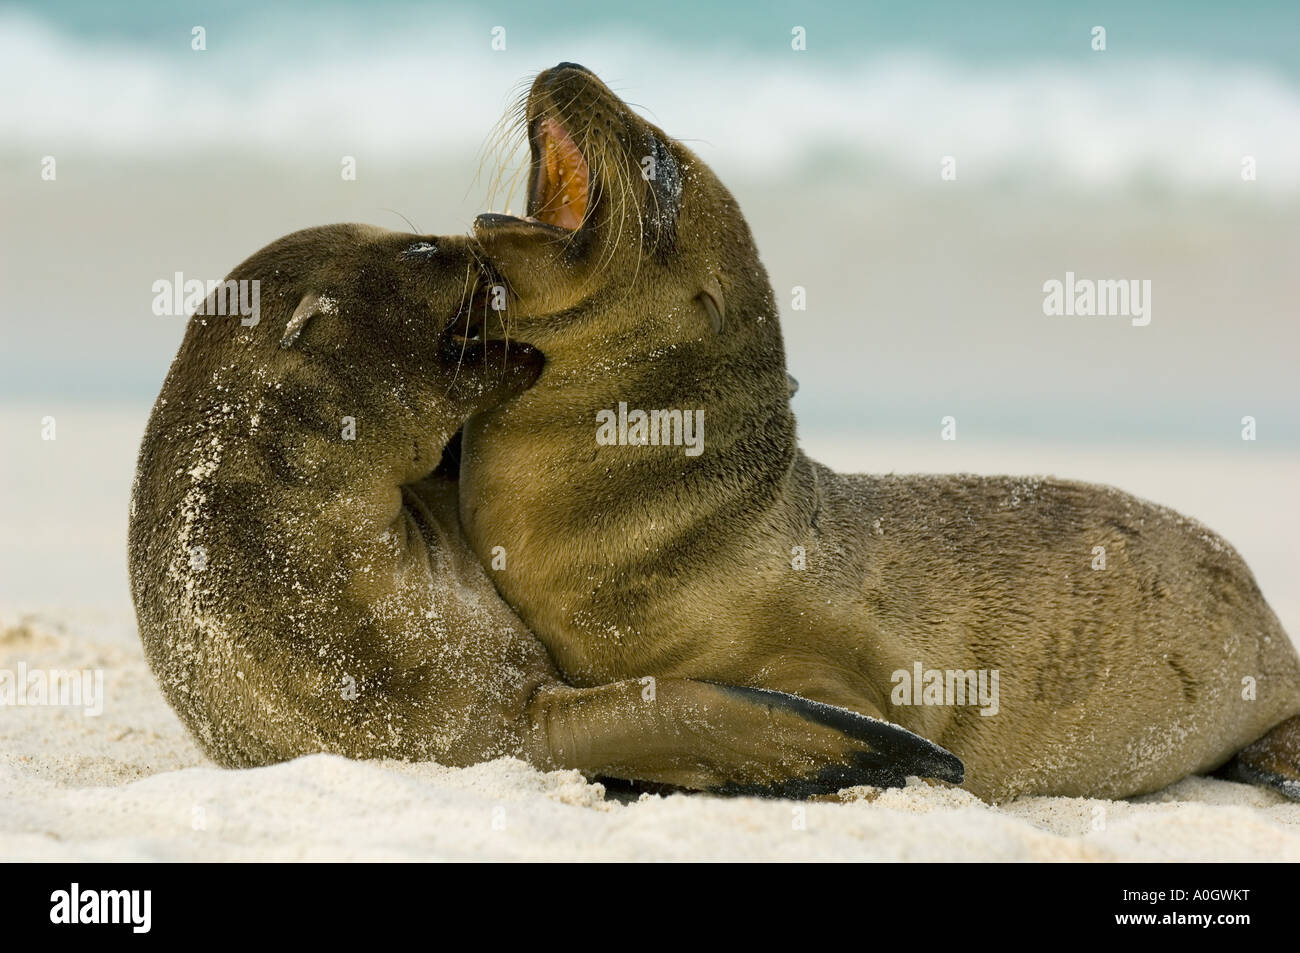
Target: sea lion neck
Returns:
[[633, 350], [676, 448]]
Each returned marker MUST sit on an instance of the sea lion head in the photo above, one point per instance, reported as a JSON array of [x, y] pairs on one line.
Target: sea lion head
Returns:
[[618, 211], [364, 321]]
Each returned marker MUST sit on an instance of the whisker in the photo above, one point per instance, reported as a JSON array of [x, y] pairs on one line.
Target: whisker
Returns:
[[414, 230], [465, 294]]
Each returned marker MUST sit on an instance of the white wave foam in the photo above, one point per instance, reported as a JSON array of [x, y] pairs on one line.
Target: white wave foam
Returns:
[[405, 96]]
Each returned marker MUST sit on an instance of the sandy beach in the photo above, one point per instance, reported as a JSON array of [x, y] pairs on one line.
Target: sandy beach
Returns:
[[130, 785]]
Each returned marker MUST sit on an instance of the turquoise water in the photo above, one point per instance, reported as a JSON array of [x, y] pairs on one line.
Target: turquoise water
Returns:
[[1016, 91], [1264, 35]]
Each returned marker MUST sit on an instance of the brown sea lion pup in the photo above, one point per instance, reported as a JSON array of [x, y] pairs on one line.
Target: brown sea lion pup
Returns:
[[661, 520], [300, 576]]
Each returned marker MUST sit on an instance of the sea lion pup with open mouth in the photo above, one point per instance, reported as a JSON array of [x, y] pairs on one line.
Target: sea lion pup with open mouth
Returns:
[[300, 576], [661, 519]]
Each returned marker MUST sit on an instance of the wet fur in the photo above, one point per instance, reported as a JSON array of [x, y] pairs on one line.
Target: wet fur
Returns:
[[630, 561]]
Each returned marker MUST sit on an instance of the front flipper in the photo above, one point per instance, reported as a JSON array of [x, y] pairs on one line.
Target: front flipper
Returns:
[[725, 739], [884, 756]]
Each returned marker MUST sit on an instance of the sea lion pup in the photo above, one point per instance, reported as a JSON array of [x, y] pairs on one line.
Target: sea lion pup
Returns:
[[971, 610], [302, 582]]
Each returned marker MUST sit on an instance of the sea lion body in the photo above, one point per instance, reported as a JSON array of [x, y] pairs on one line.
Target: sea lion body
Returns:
[[749, 563], [302, 582]]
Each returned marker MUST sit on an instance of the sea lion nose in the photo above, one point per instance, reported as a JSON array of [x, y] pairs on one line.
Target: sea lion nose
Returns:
[[567, 65]]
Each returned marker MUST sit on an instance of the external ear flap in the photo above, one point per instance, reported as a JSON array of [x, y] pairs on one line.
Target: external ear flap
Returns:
[[307, 308], [711, 299]]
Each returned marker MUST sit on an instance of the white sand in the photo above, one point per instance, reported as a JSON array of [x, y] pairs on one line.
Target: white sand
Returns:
[[131, 785]]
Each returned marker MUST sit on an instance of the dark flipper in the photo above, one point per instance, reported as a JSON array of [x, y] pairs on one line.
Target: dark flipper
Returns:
[[725, 739], [887, 754], [1273, 761]]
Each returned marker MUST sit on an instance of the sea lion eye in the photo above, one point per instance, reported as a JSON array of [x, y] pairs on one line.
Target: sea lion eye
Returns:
[[665, 179], [421, 250]]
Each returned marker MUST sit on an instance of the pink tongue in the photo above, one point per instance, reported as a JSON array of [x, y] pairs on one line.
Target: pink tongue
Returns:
[[563, 178]]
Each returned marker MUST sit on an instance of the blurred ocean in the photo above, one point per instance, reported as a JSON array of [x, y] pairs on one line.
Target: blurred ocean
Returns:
[[924, 296]]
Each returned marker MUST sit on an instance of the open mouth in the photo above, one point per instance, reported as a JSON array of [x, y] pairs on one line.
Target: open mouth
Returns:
[[560, 191]]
